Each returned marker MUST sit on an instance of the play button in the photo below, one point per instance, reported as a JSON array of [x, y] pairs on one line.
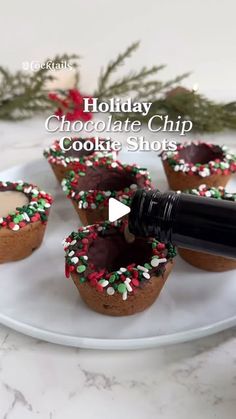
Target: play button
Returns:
[[116, 209]]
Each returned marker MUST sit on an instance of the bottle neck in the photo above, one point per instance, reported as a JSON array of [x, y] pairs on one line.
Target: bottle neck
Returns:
[[152, 214], [185, 220]]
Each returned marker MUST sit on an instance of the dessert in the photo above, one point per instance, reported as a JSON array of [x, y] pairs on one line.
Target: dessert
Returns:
[[24, 211], [91, 187], [203, 260], [63, 161], [197, 162], [112, 276]]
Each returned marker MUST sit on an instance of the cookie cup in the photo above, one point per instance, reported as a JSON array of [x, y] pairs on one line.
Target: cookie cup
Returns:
[[193, 164], [22, 232], [114, 277], [62, 161], [206, 261], [90, 188]]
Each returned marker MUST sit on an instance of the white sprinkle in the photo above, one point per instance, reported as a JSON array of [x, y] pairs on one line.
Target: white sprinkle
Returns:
[[114, 164], [73, 243], [123, 269], [16, 227], [103, 283], [85, 205], [124, 295], [26, 217], [155, 262], [146, 275], [75, 260], [71, 253], [110, 291], [85, 257], [129, 288], [142, 268], [133, 186], [28, 190], [163, 260], [107, 193]]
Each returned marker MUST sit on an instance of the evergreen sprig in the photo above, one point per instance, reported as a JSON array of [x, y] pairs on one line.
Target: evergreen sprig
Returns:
[[132, 83], [167, 98], [23, 94]]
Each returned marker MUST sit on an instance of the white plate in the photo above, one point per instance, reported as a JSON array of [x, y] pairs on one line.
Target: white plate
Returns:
[[36, 299]]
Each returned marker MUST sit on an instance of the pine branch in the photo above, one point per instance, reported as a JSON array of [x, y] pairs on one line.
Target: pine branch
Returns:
[[129, 83], [23, 94], [168, 98], [113, 67]]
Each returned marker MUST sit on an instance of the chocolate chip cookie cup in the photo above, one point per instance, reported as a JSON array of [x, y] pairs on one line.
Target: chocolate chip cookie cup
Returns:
[[90, 188], [62, 161], [203, 260], [114, 277], [195, 163], [24, 211]]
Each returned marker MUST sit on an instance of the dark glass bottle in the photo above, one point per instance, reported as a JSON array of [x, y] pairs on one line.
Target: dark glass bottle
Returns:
[[188, 221]]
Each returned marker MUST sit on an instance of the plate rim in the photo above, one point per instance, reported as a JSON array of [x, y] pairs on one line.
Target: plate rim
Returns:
[[106, 343], [116, 344]]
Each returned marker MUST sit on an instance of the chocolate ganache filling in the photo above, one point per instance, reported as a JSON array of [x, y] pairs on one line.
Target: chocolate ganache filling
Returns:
[[111, 251], [200, 153], [103, 179]]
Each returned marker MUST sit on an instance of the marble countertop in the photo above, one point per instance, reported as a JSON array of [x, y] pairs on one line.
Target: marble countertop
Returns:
[[41, 380]]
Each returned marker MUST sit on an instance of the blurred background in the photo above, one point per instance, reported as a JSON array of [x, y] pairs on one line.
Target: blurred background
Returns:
[[187, 35]]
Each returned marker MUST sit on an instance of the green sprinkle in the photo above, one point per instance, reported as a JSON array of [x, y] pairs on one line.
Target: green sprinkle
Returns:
[[81, 280], [147, 266], [99, 197], [122, 288], [19, 187], [81, 268], [112, 278]]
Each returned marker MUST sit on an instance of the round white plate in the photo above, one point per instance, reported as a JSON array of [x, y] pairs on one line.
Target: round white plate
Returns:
[[36, 299]]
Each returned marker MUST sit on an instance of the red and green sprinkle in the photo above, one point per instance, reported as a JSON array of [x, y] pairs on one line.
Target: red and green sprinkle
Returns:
[[127, 279], [36, 210], [212, 192], [221, 166], [93, 199], [56, 155]]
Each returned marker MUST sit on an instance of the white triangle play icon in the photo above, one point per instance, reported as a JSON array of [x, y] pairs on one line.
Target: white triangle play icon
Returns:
[[116, 209]]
